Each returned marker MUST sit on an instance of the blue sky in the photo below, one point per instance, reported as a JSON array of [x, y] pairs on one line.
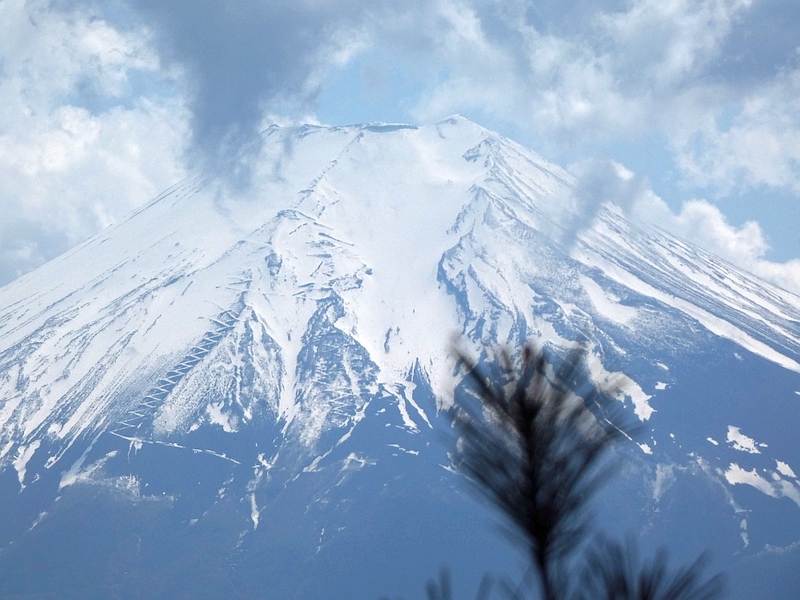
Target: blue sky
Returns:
[[687, 112]]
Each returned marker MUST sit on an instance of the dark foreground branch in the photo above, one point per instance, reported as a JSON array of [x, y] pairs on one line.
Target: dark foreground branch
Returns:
[[615, 572], [532, 437], [532, 445]]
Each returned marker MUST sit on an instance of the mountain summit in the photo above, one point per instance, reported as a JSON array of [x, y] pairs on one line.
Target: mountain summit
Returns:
[[237, 394]]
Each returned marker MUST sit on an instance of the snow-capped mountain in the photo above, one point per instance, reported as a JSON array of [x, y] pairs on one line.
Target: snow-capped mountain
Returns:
[[236, 393]]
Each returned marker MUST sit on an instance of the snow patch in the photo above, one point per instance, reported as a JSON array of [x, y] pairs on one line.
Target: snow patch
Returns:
[[777, 488], [402, 406], [737, 475], [71, 475], [716, 325], [743, 533], [24, 454], [217, 416], [399, 447], [741, 442], [254, 512], [622, 387], [354, 462], [38, 520], [606, 303], [785, 469], [665, 477]]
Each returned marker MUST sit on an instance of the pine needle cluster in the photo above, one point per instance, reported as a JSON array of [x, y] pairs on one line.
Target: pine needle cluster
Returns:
[[532, 437]]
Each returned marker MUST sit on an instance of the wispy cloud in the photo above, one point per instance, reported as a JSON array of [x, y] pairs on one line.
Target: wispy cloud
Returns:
[[243, 59], [707, 75], [603, 181], [104, 102], [78, 148]]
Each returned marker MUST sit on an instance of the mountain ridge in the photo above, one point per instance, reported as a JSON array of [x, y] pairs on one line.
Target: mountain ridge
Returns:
[[296, 340]]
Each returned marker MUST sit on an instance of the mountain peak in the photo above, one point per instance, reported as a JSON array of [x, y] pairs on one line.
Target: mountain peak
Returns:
[[302, 332]]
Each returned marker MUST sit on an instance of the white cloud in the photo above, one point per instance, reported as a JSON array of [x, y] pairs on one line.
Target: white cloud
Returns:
[[93, 124], [247, 58], [761, 145], [659, 44], [654, 66], [698, 222], [69, 169], [620, 72], [497, 63]]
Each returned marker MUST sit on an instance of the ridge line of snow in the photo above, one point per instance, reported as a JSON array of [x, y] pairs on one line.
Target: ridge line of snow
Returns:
[[712, 323]]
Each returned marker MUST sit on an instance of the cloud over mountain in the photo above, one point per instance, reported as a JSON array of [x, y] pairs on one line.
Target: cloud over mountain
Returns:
[[109, 102]]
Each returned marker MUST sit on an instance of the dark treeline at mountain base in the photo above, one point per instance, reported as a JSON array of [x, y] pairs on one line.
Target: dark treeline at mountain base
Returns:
[[532, 438]]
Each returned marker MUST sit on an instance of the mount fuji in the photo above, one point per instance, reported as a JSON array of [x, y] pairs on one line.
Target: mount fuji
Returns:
[[238, 393]]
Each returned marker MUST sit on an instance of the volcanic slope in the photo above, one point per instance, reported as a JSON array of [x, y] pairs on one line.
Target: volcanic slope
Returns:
[[242, 389]]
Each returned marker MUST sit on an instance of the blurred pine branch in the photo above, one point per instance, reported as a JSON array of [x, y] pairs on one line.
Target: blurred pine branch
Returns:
[[532, 436]]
